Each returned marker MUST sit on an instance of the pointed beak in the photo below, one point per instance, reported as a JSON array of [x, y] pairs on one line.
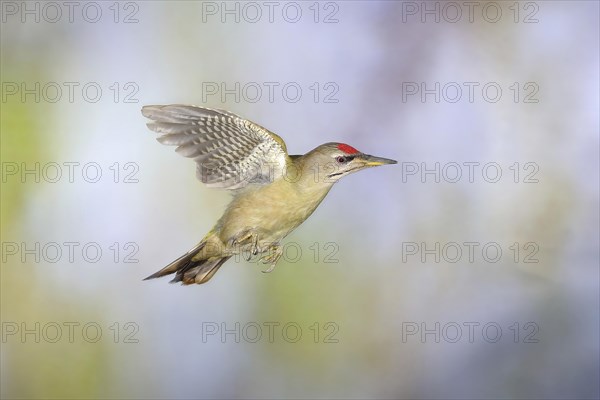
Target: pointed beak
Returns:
[[372, 161]]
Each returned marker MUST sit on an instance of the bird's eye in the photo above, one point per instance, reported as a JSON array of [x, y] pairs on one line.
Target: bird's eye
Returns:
[[341, 159]]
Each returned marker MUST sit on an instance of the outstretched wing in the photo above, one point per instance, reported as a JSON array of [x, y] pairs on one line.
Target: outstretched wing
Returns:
[[230, 152]]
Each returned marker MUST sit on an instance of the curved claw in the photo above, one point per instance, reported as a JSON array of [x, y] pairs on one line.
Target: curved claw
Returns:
[[270, 269], [272, 258]]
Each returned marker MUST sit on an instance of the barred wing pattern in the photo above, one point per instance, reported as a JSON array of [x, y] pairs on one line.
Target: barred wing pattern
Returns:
[[230, 152]]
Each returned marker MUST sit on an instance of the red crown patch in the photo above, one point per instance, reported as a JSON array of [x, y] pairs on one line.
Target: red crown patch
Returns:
[[347, 149]]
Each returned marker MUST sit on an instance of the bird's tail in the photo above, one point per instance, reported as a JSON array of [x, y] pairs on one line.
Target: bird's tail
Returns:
[[196, 266]]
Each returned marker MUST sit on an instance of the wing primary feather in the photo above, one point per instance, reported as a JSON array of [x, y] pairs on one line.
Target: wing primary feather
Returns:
[[224, 145]]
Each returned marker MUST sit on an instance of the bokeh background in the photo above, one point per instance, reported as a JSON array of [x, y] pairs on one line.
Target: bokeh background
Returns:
[[349, 281]]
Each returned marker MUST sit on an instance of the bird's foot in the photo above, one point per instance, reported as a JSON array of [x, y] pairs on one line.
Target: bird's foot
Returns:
[[275, 253], [254, 248], [243, 238]]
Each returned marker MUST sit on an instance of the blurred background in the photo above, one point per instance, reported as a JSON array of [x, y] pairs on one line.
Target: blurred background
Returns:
[[468, 270]]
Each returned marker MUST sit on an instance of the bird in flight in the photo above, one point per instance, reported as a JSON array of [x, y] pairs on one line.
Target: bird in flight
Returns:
[[273, 192]]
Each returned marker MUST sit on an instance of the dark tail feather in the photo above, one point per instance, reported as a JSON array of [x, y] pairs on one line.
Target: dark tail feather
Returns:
[[190, 271], [198, 271]]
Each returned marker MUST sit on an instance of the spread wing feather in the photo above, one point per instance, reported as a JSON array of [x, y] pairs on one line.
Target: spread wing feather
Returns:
[[230, 152]]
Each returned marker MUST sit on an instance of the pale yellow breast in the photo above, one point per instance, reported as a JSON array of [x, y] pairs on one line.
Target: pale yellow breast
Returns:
[[274, 210]]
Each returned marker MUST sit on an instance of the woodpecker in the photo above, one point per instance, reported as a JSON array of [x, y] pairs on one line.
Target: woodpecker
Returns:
[[273, 192]]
